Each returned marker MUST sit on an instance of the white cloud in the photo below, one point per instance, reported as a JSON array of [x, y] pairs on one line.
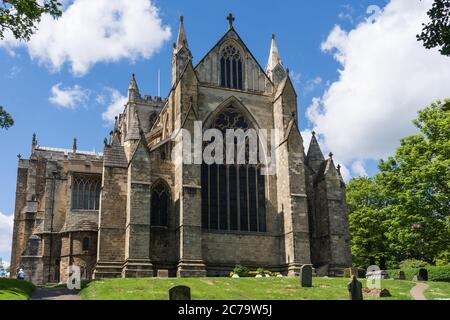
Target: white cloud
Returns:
[[96, 31], [312, 84], [358, 168], [6, 229], [116, 105], [69, 97], [386, 76]]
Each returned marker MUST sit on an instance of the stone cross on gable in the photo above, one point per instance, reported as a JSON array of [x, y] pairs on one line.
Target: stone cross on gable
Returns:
[[230, 19]]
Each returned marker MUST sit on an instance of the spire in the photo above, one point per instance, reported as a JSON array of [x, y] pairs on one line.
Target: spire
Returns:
[[33, 142], [74, 146], [275, 63], [133, 89], [274, 56], [315, 156], [182, 39]]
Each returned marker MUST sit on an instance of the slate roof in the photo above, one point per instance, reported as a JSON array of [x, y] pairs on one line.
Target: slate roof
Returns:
[[114, 156]]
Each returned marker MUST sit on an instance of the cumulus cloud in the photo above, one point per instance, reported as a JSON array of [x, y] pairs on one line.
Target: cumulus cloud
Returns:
[[69, 97], [96, 31], [385, 77], [6, 229], [115, 106]]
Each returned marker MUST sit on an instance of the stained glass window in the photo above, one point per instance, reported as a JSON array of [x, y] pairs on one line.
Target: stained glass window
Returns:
[[233, 196], [231, 68], [86, 192]]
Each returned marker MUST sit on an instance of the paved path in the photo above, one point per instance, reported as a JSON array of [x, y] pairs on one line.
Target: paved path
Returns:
[[54, 294], [417, 291]]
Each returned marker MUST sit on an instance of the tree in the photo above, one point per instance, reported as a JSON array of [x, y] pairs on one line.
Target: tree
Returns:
[[6, 120], [437, 32], [367, 220], [21, 16], [404, 211], [416, 187]]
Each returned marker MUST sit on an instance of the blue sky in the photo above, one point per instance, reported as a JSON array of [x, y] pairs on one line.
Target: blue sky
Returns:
[[328, 65]]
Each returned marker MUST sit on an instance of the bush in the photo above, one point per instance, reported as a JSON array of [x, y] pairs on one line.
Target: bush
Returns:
[[435, 273], [245, 272], [413, 263], [238, 269], [443, 259]]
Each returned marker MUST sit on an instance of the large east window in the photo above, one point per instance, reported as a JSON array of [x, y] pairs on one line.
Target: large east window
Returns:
[[231, 68], [233, 195], [86, 192]]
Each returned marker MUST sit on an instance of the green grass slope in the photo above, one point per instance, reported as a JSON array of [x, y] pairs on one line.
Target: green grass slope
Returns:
[[12, 289], [235, 289]]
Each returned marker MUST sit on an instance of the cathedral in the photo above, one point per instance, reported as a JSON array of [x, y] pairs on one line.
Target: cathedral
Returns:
[[133, 211]]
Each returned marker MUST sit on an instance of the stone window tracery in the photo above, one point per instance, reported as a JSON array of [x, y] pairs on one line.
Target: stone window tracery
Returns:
[[86, 192], [233, 196], [231, 68]]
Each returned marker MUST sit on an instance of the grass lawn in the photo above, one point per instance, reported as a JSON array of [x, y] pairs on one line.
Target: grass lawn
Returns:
[[438, 291], [12, 289], [243, 289]]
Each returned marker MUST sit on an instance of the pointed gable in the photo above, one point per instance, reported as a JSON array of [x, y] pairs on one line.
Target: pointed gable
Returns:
[[315, 157], [254, 77]]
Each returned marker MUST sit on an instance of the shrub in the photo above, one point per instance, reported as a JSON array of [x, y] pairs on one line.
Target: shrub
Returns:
[[240, 270], [413, 263], [260, 271], [435, 273]]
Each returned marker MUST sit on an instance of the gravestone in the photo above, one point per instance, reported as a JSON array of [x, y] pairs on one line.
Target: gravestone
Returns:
[[306, 276], [163, 273], [416, 278], [180, 293], [355, 289], [401, 275], [235, 276], [423, 274]]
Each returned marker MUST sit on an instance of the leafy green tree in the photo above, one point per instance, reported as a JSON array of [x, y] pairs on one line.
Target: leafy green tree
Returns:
[[367, 220], [415, 184], [6, 120], [437, 32], [21, 16], [404, 211]]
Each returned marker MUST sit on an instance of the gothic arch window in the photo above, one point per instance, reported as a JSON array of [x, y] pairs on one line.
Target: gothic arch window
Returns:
[[160, 201], [86, 192], [233, 195], [231, 68], [85, 244]]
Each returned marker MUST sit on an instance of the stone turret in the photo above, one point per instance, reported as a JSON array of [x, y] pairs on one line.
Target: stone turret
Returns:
[[133, 90], [315, 156], [275, 70], [181, 53]]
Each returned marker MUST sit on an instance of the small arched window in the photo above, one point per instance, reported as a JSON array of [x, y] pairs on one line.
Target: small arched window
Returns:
[[159, 204], [86, 244], [231, 68]]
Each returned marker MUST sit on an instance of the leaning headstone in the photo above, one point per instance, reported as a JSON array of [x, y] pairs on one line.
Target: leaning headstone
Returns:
[[416, 278], [180, 293], [355, 289], [306, 276], [401, 275], [423, 273], [163, 273]]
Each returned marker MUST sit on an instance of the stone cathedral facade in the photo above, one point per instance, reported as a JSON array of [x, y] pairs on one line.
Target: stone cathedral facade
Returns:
[[132, 210]]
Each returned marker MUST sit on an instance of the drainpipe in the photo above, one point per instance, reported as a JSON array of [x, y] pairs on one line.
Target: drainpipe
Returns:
[[51, 228]]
